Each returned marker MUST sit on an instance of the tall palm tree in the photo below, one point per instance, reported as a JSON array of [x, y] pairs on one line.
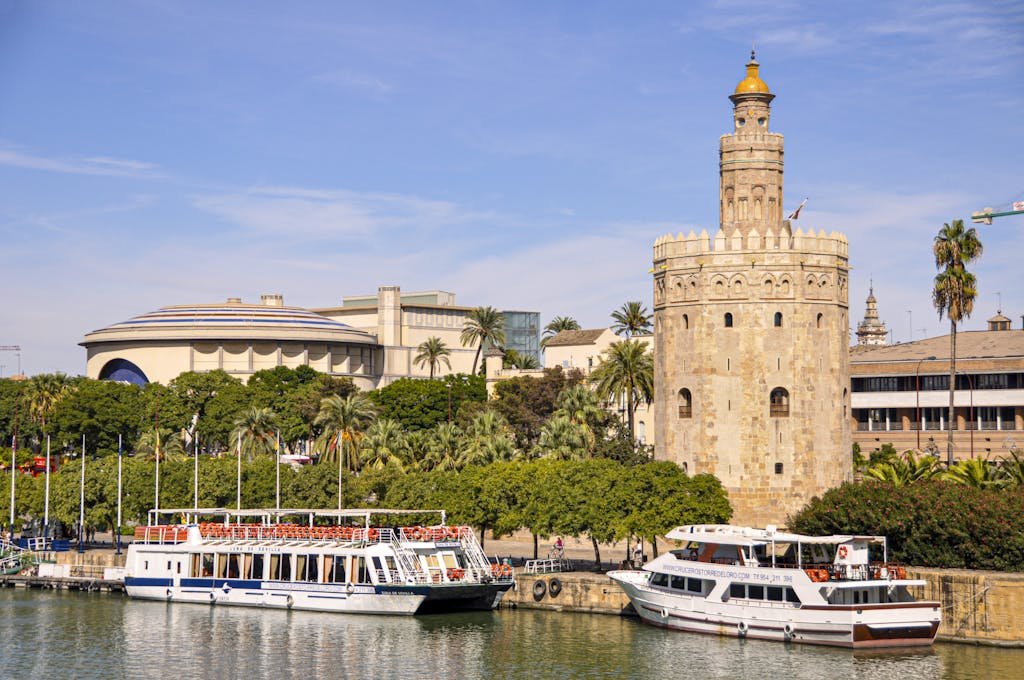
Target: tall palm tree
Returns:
[[631, 319], [384, 445], [43, 393], [625, 376], [488, 440], [445, 444], [257, 428], [556, 326], [343, 419], [483, 324], [953, 295], [433, 352]]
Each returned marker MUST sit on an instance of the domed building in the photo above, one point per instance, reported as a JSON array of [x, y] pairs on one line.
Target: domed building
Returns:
[[236, 337]]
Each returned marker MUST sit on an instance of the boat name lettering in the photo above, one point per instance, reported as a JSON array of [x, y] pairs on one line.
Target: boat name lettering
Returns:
[[313, 587], [745, 576]]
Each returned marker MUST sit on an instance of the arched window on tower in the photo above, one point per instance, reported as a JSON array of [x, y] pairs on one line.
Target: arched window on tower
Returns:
[[778, 319], [728, 319], [820, 319], [779, 403], [686, 321], [685, 403]]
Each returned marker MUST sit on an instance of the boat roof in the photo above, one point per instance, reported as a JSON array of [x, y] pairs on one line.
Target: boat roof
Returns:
[[727, 534]]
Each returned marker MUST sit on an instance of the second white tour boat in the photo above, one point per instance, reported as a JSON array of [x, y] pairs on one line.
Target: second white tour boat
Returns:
[[328, 560], [771, 585]]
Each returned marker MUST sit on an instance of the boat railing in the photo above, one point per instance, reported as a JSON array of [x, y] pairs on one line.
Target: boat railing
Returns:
[[876, 571], [161, 534]]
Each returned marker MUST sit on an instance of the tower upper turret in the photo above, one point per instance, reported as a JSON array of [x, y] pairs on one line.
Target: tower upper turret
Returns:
[[751, 161]]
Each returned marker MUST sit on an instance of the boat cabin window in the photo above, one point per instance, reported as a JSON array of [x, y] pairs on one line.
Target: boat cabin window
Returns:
[[774, 593], [280, 567], [256, 570], [362, 574], [207, 567], [377, 567], [755, 592], [339, 570], [678, 582], [306, 568], [659, 579], [750, 591], [232, 566]]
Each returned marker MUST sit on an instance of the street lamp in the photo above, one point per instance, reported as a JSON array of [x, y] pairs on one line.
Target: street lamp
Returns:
[[917, 397]]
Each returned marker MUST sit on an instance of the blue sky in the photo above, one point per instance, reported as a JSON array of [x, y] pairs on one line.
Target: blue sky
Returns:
[[522, 155]]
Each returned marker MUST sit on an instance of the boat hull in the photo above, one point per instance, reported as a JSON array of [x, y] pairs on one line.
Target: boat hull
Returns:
[[868, 626], [339, 598]]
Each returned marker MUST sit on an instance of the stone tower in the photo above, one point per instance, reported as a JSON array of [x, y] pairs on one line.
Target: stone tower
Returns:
[[871, 331], [750, 337]]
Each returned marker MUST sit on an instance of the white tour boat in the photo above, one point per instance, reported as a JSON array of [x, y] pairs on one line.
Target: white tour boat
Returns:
[[331, 560], [771, 585]]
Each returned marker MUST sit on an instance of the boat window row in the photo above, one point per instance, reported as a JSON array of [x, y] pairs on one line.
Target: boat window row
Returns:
[[756, 591], [291, 567], [693, 586]]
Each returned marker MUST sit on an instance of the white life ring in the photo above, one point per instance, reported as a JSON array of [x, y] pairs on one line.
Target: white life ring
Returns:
[[170, 594], [788, 631], [742, 627], [291, 601], [350, 589], [664, 613], [884, 574]]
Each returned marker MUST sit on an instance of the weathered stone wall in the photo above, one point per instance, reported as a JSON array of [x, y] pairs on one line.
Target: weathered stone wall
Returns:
[[580, 592], [977, 606]]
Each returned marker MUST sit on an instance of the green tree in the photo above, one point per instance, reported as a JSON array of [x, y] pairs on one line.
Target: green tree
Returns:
[[901, 470], [631, 319], [384, 445], [514, 359], [42, 395], [579, 404], [343, 421], [101, 410], [257, 429], [978, 473], [562, 439], [195, 391], [488, 440], [953, 294], [483, 325], [164, 441], [433, 352], [527, 401], [625, 376], [556, 326], [423, 404], [217, 424], [443, 448], [279, 389]]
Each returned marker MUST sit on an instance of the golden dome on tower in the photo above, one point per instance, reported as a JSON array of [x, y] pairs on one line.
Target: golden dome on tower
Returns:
[[752, 83]]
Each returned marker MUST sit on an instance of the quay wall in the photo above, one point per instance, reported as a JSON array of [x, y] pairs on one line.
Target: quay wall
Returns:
[[978, 607]]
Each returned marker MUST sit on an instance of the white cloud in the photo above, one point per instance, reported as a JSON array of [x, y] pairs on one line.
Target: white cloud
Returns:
[[95, 165]]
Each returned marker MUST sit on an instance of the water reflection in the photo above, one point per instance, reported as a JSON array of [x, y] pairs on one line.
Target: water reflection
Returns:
[[48, 634]]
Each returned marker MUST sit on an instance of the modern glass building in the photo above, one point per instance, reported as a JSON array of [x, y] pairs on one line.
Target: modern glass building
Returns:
[[522, 332]]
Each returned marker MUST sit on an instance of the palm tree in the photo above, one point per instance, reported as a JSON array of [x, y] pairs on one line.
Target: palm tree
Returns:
[[483, 324], [906, 470], [580, 405], [384, 445], [43, 393], [625, 376], [556, 326], [631, 319], [562, 439], [433, 352], [978, 473], [257, 428], [443, 447], [514, 359], [488, 440], [1013, 468], [954, 293], [166, 441], [343, 419]]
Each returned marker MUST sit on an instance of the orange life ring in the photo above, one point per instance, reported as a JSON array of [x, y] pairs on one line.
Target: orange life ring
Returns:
[[372, 534], [843, 552]]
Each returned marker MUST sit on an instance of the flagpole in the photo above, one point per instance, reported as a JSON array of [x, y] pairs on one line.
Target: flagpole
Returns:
[[238, 500], [277, 488], [81, 503], [156, 493], [46, 493], [119, 478], [341, 458], [14, 469], [195, 472]]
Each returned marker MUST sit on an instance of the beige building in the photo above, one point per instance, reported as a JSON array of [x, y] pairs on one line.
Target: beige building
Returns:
[[372, 339], [750, 335], [236, 337], [901, 393]]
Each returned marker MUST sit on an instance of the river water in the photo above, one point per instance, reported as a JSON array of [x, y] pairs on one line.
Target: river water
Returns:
[[47, 634]]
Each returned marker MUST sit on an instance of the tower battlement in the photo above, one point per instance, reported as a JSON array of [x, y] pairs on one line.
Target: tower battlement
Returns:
[[681, 245]]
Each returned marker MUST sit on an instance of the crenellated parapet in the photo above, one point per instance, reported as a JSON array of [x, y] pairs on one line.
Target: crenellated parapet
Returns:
[[783, 239]]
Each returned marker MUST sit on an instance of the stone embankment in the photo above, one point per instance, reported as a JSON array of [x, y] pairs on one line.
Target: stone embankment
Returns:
[[978, 607]]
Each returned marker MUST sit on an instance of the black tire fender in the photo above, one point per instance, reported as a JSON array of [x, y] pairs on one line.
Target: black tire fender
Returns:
[[539, 590], [554, 587]]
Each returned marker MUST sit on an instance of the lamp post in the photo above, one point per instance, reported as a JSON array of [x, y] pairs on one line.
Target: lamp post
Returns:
[[917, 397]]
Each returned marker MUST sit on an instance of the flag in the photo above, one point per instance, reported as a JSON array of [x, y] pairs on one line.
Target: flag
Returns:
[[795, 215]]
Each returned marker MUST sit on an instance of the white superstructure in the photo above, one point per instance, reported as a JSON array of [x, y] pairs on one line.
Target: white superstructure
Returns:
[[320, 560], [771, 585]]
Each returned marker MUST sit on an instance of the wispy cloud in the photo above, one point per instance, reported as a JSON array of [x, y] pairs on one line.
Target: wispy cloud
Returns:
[[363, 83], [326, 213], [91, 165]]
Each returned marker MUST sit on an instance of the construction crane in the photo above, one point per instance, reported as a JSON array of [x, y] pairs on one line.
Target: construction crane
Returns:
[[985, 216], [13, 348]]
